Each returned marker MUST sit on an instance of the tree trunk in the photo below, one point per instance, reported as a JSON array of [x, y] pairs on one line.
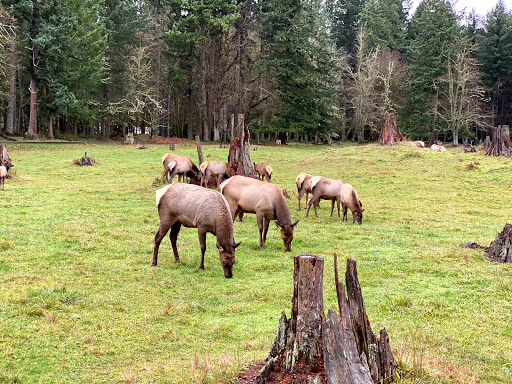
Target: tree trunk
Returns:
[[11, 107], [240, 151], [32, 127], [390, 134], [199, 151], [500, 143], [50, 126], [204, 104], [5, 160]]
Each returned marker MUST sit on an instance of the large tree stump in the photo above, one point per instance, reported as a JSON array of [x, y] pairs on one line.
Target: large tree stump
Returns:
[[500, 249], [239, 157], [390, 134], [310, 349], [500, 142]]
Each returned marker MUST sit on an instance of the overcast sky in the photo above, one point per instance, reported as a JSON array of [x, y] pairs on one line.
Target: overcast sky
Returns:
[[481, 6]]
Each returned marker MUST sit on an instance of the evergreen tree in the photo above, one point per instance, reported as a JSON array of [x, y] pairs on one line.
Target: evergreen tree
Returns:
[[495, 56], [344, 20], [298, 65], [431, 33], [385, 22]]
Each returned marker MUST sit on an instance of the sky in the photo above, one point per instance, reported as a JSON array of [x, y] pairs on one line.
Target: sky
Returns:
[[481, 6]]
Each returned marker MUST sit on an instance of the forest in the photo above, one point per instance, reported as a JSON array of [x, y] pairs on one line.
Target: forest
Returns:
[[313, 71]]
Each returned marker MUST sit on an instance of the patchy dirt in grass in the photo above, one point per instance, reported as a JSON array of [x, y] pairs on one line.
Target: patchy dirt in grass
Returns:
[[248, 375]]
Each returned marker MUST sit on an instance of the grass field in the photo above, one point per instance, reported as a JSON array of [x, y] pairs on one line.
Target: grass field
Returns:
[[80, 303]]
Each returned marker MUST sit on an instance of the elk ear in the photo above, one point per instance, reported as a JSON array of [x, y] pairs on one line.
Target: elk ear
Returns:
[[279, 225], [235, 246], [294, 224], [362, 210]]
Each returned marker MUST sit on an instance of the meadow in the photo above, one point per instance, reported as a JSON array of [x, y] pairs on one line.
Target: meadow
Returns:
[[80, 302]]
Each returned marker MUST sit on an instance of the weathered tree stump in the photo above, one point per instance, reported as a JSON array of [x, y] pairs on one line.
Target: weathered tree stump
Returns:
[[500, 143], [239, 157], [500, 249], [339, 349], [199, 151], [86, 160], [390, 134]]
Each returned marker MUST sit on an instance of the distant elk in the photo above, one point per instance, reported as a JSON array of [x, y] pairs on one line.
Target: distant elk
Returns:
[[326, 189], [349, 200], [303, 186], [263, 170], [215, 169], [178, 165]]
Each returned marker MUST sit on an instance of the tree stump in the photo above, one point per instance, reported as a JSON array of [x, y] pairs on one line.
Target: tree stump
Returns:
[[500, 249], [199, 151], [339, 349], [390, 134], [239, 157], [500, 143]]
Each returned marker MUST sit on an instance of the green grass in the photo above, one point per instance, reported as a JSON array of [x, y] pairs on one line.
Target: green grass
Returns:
[[79, 301]]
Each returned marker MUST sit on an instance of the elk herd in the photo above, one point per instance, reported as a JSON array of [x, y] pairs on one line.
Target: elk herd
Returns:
[[209, 211]]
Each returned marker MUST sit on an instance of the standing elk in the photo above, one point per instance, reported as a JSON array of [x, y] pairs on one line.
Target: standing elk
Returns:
[[178, 165], [349, 200], [324, 188], [195, 207], [263, 170], [215, 169], [266, 200]]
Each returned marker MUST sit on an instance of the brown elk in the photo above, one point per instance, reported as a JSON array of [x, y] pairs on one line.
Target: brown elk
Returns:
[[349, 200], [263, 170], [192, 206], [3, 175], [178, 165], [266, 200], [438, 148], [303, 187], [215, 169], [324, 188]]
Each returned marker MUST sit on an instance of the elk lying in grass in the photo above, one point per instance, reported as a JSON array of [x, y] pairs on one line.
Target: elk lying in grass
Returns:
[[324, 188], [195, 207], [303, 187], [438, 148], [266, 200], [349, 200], [215, 169], [263, 170], [178, 165], [419, 144]]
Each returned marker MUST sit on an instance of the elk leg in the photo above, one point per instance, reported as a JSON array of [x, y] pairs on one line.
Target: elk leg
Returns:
[[332, 207], [344, 212], [312, 202], [171, 176], [202, 242], [175, 229], [266, 222], [160, 234], [165, 173], [338, 203], [259, 218], [301, 193]]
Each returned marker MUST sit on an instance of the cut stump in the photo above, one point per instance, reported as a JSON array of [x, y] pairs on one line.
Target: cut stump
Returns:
[[500, 142], [390, 134], [312, 349]]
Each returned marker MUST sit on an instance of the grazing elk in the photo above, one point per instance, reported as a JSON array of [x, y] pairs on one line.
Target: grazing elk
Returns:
[[303, 187], [324, 188], [266, 200], [195, 207], [438, 148], [215, 169], [263, 170], [178, 165], [349, 200]]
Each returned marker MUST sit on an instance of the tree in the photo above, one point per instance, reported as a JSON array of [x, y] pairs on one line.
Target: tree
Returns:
[[298, 64], [433, 29], [462, 92], [344, 19], [495, 57]]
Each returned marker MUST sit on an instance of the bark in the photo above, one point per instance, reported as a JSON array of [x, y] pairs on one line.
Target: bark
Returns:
[[32, 127], [500, 249], [50, 126], [390, 134], [11, 107], [204, 104], [5, 160], [199, 151], [240, 151], [500, 143]]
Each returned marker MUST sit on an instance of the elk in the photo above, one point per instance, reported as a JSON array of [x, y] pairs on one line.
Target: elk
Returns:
[[3, 175], [303, 187], [419, 144], [438, 148], [263, 171], [349, 200], [192, 206], [216, 169], [178, 165], [266, 200], [324, 188]]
